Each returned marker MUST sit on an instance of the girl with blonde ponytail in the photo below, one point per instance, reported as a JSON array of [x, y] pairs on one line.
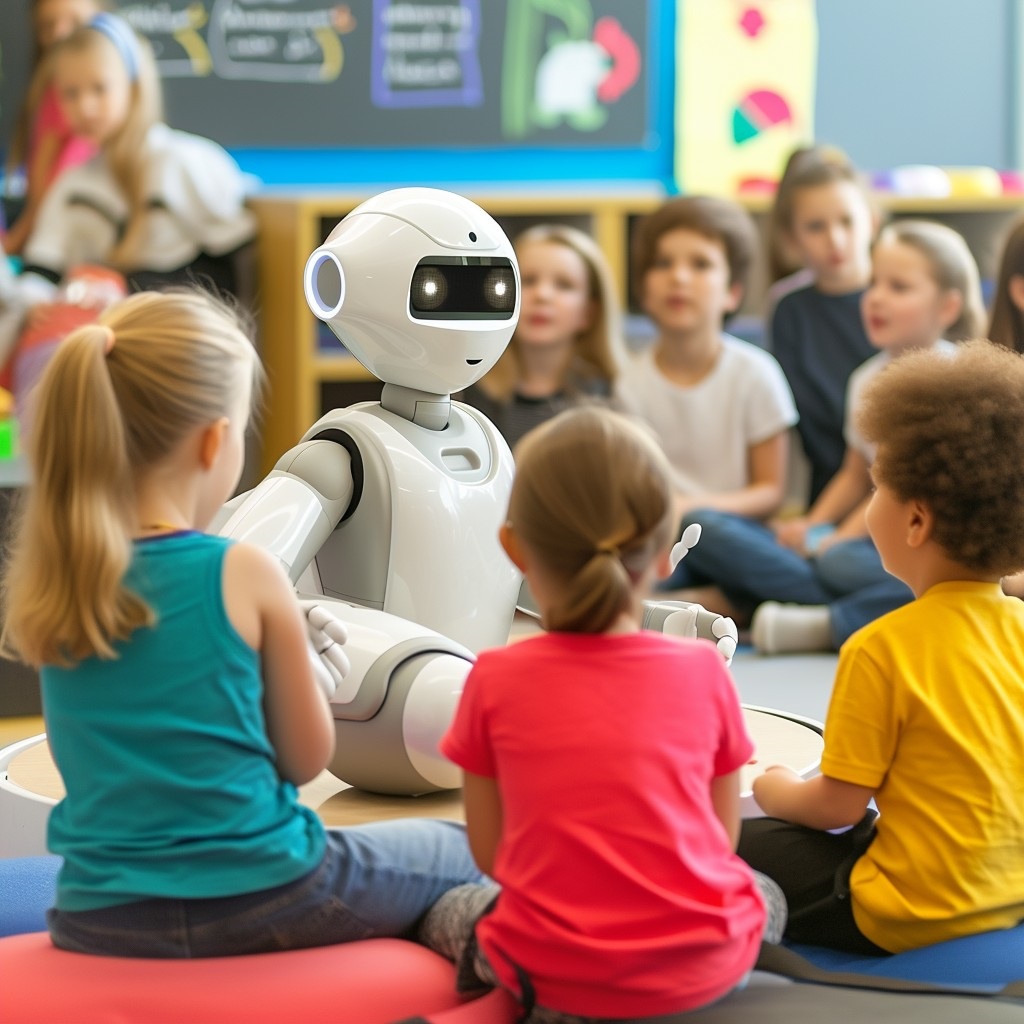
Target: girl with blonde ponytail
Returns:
[[601, 762], [179, 696]]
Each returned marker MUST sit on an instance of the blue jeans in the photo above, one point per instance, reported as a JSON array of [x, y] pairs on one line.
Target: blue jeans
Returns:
[[743, 558], [374, 880]]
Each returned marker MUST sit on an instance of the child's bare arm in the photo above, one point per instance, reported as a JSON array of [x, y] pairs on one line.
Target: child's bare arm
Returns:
[[262, 605], [725, 798], [763, 495], [842, 495], [484, 816], [1013, 586], [821, 802], [45, 156]]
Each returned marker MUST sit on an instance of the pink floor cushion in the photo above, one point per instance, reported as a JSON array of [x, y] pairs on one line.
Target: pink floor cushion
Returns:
[[377, 981]]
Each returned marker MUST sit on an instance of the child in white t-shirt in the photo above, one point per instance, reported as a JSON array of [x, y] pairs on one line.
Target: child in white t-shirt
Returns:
[[720, 407]]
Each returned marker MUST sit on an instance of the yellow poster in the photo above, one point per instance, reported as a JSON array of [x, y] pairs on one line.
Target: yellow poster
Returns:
[[745, 78]]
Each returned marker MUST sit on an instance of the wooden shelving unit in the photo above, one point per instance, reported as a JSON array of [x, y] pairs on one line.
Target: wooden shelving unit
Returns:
[[293, 225]]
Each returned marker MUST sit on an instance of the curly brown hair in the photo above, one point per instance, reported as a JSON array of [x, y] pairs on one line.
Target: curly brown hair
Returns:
[[950, 433]]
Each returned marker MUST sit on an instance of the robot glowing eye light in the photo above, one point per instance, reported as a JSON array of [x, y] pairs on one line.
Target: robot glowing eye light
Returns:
[[429, 288], [500, 289], [463, 288]]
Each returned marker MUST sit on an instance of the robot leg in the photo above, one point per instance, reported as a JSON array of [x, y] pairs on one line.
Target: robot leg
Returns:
[[395, 704]]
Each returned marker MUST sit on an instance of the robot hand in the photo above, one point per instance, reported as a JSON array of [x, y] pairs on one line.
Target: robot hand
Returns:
[[326, 635], [682, 547], [680, 618]]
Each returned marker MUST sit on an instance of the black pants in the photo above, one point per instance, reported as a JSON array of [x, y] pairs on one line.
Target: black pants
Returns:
[[813, 870]]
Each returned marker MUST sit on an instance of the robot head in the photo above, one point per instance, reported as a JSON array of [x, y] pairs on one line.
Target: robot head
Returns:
[[420, 285]]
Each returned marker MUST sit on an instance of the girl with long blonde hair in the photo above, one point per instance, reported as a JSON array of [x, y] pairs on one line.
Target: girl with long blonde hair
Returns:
[[180, 701]]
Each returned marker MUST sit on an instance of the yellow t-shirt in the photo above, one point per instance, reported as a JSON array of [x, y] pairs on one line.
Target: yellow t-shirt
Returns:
[[928, 710]]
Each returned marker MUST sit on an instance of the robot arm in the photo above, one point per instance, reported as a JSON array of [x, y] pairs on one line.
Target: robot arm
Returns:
[[681, 618], [294, 510]]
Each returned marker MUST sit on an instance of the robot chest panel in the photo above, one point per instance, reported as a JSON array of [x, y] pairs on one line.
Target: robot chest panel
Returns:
[[423, 543]]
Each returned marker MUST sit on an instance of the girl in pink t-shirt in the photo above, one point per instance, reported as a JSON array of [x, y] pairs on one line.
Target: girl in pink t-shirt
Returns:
[[44, 144], [601, 762]]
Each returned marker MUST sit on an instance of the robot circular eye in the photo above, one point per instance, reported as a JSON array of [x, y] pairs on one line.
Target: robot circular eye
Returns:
[[500, 289], [429, 288], [472, 236], [324, 284]]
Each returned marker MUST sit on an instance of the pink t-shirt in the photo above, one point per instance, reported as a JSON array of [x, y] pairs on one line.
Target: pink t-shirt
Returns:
[[621, 894], [72, 150]]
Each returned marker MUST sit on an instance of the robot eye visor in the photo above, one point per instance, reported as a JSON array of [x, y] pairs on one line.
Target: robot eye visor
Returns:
[[463, 288]]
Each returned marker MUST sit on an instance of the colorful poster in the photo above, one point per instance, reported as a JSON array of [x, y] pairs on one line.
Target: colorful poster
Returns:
[[745, 79], [567, 64]]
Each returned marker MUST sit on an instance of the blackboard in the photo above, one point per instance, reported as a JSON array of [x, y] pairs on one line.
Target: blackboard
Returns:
[[387, 73]]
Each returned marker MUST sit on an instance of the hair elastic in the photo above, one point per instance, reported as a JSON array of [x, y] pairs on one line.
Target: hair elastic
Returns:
[[108, 338], [120, 33]]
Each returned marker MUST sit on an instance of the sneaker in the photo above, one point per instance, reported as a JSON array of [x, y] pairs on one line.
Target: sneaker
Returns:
[[791, 628]]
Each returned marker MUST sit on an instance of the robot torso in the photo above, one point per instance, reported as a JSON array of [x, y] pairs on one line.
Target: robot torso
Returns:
[[420, 540]]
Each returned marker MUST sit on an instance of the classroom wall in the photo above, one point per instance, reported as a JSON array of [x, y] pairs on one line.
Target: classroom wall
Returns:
[[899, 81]]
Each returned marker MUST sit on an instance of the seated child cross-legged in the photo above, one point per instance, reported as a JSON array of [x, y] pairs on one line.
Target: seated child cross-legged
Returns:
[[601, 761], [927, 712], [720, 407], [181, 706], [822, 212], [814, 580]]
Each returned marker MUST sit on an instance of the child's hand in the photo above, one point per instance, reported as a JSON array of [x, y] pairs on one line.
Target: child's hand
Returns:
[[326, 635], [792, 533], [771, 788]]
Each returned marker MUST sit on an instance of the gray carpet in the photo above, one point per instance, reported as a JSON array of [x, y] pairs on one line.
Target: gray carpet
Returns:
[[798, 683]]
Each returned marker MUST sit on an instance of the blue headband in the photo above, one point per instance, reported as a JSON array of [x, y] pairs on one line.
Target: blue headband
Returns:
[[119, 32]]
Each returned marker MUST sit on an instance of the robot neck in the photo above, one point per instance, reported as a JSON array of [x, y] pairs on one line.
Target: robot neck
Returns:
[[419, 407]]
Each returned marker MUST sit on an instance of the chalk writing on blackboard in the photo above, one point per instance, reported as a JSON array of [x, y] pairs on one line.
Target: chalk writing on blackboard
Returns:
[[426, 53], [175, 35], [251, 40]]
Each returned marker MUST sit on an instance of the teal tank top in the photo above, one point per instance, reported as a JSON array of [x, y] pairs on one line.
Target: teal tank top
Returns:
[[171, 784]]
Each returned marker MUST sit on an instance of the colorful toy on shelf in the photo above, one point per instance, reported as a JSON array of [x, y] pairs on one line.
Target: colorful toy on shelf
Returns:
[[927, 181]]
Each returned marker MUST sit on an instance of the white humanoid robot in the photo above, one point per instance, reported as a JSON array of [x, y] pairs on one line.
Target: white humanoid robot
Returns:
[[387, 514]]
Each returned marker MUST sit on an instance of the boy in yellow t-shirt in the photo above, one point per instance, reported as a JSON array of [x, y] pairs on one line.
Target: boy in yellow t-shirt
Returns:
[[927, 712]]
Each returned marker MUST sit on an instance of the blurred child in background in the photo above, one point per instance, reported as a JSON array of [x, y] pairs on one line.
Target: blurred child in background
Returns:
[[815, 330], [720, 407], [155, 205], [1006, 326], [816, 579], [44, 142], [567, 347]]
